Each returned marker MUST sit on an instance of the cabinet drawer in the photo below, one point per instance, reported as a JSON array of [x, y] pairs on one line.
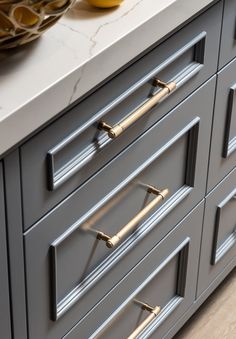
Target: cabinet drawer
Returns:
[[219, 231], [166, 277], [228, 37], [63, 156], [173, 155], [223, 149]]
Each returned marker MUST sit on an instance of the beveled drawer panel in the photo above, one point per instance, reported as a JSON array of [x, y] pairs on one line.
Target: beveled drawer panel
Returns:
[[219, 231], [223, 149], [166, 277], [68, 152], [172, 155], [228, 35]]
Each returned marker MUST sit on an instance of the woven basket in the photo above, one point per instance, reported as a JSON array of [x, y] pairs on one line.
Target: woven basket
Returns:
[[22, 21]]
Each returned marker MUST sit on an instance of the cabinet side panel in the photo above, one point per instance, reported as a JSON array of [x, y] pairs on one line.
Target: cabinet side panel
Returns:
[[5, 323], [15, 243]]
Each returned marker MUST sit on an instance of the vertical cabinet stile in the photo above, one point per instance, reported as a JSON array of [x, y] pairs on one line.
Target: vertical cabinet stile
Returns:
[[5, 326]]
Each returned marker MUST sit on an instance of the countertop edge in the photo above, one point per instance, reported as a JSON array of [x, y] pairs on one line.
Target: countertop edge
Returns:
[[19, 124]]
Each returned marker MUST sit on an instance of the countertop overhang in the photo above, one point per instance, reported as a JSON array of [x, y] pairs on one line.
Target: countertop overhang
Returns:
[[84, 48]]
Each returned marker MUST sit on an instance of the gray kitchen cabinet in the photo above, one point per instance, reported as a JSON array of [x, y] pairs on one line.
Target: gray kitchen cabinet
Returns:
[[5, 324], [169, 156], [223, 146], [228, 36], [121, 211]]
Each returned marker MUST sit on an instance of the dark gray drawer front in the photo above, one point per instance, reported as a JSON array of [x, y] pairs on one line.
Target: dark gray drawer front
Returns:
[[165, 277], [223, 149], [62, 157], [171, 154], [5, 325], [219, 231], [228, 37]]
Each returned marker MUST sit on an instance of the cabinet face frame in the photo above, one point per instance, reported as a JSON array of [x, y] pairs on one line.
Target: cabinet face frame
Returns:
[[5, 320]]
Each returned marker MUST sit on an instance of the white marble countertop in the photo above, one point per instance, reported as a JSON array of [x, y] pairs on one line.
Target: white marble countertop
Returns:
[[85, 47]]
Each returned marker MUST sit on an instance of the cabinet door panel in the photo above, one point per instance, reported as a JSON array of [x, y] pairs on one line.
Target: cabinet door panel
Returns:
[[223, 145], [219, 231], [228, 37]]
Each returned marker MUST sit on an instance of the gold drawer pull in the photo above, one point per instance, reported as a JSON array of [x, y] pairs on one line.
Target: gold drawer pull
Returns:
[[154, 311], [115, 239], [115, 131]]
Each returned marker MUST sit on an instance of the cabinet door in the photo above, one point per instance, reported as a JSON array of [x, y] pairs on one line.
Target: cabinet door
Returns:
[[218, 247], [5, 329], [228, 37], [223, 145]]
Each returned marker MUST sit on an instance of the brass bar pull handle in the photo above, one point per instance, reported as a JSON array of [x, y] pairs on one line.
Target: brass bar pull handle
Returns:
[[115, 239], [154, 311], [116, 130]]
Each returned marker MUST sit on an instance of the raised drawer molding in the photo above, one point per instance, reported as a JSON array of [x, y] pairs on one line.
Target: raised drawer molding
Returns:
[[5, 325], [223, 146], [67, 153]]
